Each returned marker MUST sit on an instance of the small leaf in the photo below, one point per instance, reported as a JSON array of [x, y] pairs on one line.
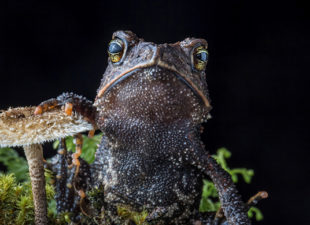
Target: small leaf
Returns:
[[89, 146], [258, 214], [14, 163], [55, 144]]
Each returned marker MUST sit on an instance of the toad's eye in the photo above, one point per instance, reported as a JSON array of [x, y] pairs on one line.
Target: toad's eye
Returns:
[[200, 58], [116, 50]]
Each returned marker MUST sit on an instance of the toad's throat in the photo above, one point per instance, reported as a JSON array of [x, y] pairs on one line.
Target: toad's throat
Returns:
[[180, 77]]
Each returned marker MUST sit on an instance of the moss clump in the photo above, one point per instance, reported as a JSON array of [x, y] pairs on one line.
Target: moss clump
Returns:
[[16, 203], [128, 214]]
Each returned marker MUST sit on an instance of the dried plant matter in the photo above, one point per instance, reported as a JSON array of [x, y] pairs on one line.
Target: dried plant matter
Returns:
[[20, 127]]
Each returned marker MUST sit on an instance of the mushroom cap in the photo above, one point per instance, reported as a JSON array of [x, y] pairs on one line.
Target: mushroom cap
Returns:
[[20, 127]]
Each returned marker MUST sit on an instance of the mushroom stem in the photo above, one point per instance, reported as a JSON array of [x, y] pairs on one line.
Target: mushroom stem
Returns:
[[34, 155]]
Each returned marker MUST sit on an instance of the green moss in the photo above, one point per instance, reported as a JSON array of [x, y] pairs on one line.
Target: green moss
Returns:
[[96, 197], [16, 202], [128, 214]]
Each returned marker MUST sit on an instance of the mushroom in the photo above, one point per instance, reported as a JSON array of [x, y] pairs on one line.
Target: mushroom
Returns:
[[20, 127]]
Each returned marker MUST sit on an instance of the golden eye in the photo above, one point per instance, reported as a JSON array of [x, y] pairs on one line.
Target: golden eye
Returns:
[[116, 50], [200, 56]]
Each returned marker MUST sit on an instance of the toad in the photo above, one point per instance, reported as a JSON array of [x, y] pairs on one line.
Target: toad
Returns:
[[150, 105]]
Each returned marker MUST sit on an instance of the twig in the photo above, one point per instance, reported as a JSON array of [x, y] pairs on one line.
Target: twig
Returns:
[[219, 216]]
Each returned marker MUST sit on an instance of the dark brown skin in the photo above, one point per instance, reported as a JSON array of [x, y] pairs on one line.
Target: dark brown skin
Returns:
[[150, 106]]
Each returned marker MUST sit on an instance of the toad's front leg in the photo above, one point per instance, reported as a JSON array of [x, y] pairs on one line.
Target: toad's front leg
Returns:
[[72, 103], [233, 207]]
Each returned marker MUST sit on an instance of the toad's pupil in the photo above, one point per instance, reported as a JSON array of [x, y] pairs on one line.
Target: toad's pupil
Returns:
[[115, 48], [203, 56]]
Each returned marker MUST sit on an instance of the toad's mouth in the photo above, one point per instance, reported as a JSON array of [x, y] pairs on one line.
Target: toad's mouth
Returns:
[[123, 76]]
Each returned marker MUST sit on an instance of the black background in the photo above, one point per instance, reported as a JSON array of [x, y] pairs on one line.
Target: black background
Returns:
[[257, 74]]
